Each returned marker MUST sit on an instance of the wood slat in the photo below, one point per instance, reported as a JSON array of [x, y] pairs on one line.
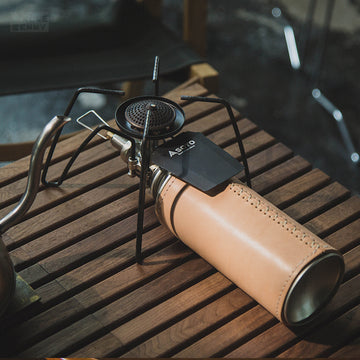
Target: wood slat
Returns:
[[285, 172], [346, 237], [348, 210], [106, 180], [192, 327], [62, 227], [11, 193], [297, 189], [175, 307], [84, 250], [194, 89], [225, 136], [56, 318], [19, 169], [266, 159], [318, 202], [241, 327], [352, 265]]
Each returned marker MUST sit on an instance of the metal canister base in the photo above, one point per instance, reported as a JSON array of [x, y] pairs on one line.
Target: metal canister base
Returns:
[[312, 289]]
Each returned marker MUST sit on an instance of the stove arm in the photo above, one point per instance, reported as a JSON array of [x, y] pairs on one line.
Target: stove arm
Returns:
[[233, 123], [58, 133]]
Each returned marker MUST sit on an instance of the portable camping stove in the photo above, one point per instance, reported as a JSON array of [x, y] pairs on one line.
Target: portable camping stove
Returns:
[[147, 143]]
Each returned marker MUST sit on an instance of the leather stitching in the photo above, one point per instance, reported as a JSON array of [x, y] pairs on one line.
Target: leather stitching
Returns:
[[163, 195], [280, 219], [168, 186]]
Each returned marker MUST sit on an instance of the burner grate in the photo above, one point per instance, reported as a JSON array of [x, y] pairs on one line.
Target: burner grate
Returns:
[[162, 115], [166, 118]]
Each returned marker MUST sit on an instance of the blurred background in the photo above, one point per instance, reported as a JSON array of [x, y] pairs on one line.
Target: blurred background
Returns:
[[246, 45]]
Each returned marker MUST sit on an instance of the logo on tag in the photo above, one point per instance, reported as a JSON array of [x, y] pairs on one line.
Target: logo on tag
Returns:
[[182, 148]]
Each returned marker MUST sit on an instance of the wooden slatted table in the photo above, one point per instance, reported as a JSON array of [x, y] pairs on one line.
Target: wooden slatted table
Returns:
[[76, 248]]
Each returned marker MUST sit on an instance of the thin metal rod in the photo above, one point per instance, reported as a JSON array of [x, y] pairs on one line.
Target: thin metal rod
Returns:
[[90, 90], [145, 161], [234, 124], [155, 78]]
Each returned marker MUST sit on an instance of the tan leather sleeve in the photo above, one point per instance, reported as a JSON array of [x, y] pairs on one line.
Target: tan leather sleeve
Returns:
[[244, 236]]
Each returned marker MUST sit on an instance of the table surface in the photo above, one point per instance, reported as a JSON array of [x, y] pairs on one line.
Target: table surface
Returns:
[[76, 248]]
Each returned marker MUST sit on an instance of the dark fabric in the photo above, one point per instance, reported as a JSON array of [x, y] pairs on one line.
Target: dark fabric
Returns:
[[117, 47]]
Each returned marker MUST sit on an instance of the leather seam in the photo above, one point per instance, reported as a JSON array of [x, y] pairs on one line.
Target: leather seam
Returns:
[[167, 189], [162, 197]]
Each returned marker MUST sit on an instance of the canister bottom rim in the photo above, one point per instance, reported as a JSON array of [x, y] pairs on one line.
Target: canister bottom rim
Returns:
[[313, 288]]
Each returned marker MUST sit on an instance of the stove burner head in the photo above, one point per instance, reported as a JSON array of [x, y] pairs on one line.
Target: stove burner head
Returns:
[[166, 117], [162, 114]]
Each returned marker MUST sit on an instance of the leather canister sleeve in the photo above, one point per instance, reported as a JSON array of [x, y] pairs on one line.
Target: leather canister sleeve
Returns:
[[249, 240]]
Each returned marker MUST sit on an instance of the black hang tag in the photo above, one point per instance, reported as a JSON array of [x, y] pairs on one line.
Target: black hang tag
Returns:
[[192, 157]]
